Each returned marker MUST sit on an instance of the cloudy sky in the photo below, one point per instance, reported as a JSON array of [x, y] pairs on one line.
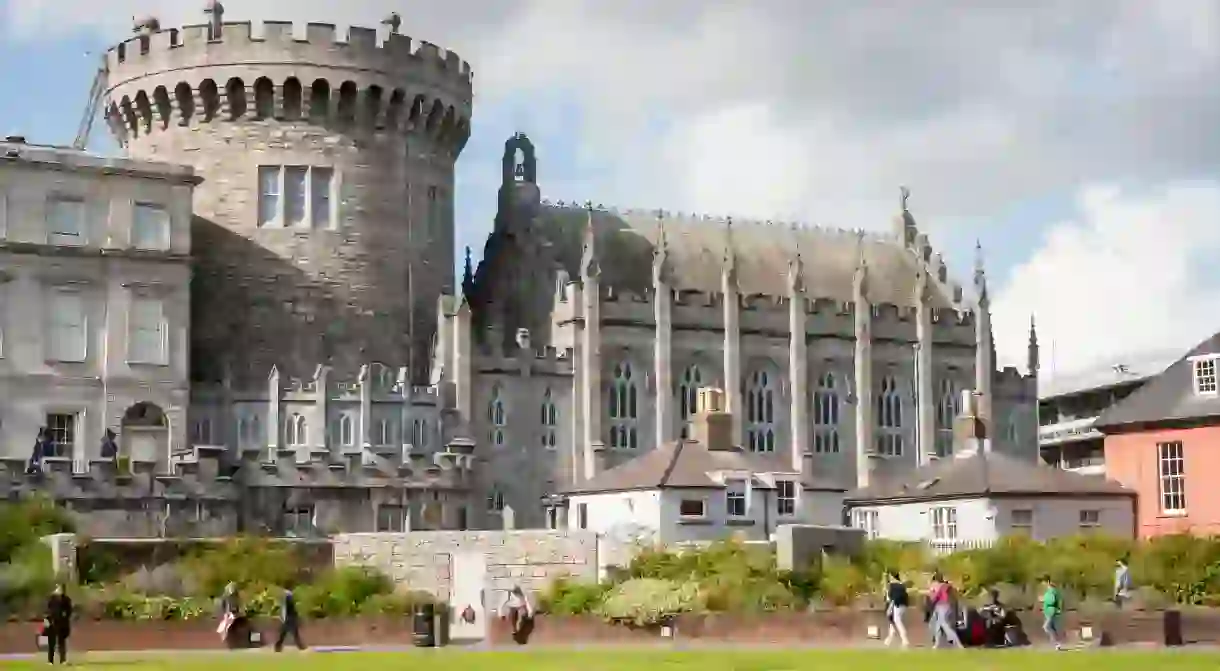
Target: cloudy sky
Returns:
[[1076, 140]]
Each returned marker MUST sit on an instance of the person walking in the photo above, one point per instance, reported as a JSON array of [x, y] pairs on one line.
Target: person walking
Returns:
[[57, 625], [290, 623], [943, 613], [896, 602], [1122, 582], [229, 607], [1052, 613]]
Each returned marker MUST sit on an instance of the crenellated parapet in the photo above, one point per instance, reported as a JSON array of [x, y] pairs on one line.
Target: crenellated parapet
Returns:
[[1010, 382], [361, 82]]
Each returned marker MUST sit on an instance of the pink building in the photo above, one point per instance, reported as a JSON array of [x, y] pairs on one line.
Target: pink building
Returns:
[[1163, 441]]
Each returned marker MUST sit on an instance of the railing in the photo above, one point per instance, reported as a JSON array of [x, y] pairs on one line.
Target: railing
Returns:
[[944, 546]]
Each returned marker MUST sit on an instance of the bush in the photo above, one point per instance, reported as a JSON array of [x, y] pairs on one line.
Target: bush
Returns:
[[570, 597], [26, 580], [342, 591], [254, 564], [649, 601], [25, 523]]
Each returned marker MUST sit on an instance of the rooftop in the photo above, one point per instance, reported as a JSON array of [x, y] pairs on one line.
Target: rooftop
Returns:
[[14, 149], [1169, 396], [1134, 368]]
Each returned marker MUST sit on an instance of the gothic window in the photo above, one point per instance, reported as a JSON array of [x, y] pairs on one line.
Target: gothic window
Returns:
[[296, 432], [688, 392], [889, 418], [419, 432], [826, 415], [386, 432], [946, 413], [343, 431], [550, 420], [496, 416], [624, 411], [760, 412], [495, 501]]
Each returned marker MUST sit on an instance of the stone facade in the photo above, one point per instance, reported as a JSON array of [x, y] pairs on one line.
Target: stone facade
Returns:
[[93, 320], [324, 226]]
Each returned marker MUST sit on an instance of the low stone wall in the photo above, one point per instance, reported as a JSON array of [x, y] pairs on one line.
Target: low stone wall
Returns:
[[114, 635], [834, 627]]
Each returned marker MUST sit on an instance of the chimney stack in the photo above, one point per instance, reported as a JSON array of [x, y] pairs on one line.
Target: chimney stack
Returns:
[[969, 430], [713, 425]]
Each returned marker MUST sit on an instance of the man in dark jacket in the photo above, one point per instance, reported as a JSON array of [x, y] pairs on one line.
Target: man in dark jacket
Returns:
[[58, 624], [290, 623]]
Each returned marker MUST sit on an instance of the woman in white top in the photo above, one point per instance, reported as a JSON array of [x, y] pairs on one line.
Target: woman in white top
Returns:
[[517, 608]]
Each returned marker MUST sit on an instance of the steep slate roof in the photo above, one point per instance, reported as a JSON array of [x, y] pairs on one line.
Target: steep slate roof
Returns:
[[626, 241], [1167, 397], [983, 474], [686, 464], [1119, 371]]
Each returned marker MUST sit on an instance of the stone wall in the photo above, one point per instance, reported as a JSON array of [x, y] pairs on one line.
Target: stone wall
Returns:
[[423, 560]]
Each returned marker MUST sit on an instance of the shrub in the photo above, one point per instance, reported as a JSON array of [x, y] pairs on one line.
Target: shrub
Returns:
[[649, 601], [26, 579], [571, 597], [251, 563], [843, 581], [25, 523], [341, 592]]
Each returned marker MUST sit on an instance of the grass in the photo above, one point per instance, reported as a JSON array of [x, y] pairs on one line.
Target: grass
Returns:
[[616, 660]]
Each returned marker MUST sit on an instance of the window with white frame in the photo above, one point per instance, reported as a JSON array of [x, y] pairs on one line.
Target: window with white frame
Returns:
[[826, 415], [146, 331], [692, 508], [66, 221], [1205, 374], [150, 227], [1090, 520], [296, 431], [944, 523], [299, 520], [68, 340], [1171, 466], [623, 411], [497, 416], [550, 420], [736, 497], [1022, 522], [296, 196], [386, 432], [344, 430], [867, 521], [946, 415], [785, 498], [889, 418], [688, 396], [61, 430], [495, 501], [760, 412]]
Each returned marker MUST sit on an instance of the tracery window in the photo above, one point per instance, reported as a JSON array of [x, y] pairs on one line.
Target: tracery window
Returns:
[[760, 412], [688, 392], [946, 414], [623, 408], [497, 416], [826, 415], [889, 418], [550, 420]]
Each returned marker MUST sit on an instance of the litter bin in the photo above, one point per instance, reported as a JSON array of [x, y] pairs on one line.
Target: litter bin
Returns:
[[1173, 628], [423, 625]]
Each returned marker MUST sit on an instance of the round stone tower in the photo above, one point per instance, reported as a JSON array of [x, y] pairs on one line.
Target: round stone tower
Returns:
[[323, 229]]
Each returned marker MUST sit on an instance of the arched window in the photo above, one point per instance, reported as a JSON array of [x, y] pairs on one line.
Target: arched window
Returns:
[[826, 415], [296, 432], [760, 412], [419, 432], [624, 411], [344, 432], [497, 416], [495, 501], [550, 420], [386, 432], [946, 413], [688, 392], [889, 418]]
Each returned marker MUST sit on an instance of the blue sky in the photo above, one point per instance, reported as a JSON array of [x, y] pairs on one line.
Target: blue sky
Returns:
[[1075, 141]]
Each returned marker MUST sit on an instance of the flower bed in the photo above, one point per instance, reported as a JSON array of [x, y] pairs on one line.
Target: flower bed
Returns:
[[833, 627]]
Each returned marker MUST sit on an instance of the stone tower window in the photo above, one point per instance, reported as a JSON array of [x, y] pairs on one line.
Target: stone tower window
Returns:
[[624, 411], [826, 415], [760, 412], [550, 420], [688, 390], [495, 500], [296, 431], [889, 418], [497, 416], [344, 431], [946, 413]]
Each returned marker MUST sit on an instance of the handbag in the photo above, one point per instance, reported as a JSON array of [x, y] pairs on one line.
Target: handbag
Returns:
[[42, 640]]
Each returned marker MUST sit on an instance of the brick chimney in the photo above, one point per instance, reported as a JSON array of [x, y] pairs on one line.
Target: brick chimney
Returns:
[[713, 425]]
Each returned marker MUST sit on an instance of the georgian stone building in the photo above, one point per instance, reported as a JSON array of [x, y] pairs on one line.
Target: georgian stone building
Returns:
[[585, 332]]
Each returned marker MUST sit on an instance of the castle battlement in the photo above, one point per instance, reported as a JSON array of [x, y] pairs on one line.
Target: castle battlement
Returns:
[[162, 79]]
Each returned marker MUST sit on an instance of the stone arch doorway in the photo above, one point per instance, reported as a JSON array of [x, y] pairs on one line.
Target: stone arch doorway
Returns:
[[144, 433]]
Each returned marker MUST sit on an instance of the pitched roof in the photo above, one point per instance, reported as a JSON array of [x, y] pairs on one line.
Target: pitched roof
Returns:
[[984, 474], [1167, 397], [686, 464], [1125, 370]]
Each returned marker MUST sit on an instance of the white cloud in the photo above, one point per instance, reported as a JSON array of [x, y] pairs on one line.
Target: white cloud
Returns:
[[1129, 275], [819, 110]]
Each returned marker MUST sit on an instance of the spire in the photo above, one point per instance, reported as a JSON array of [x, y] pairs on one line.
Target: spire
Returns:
[[904, 222], [980, 276], [468, 275], [660, 253], [730, 253], [588, 261], [1033, 359], [796, 265]]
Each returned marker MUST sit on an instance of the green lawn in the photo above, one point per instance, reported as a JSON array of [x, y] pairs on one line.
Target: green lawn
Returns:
[[639, 660]]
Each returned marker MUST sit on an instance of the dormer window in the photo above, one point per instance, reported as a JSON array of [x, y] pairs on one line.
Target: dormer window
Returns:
[[1205, 374]]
